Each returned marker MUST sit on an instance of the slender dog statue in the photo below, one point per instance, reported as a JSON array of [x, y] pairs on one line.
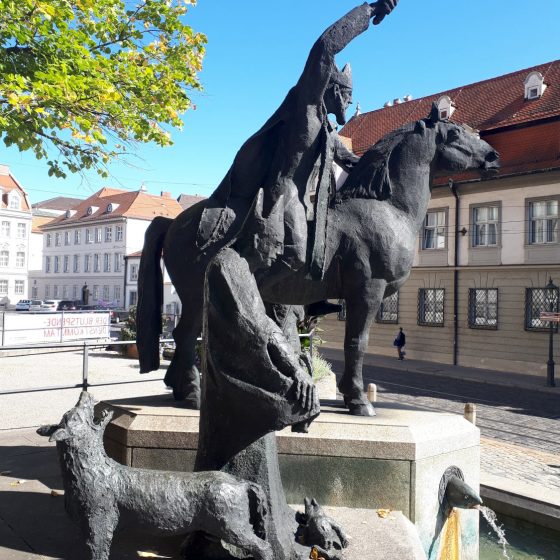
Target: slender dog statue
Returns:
[[99, 491]]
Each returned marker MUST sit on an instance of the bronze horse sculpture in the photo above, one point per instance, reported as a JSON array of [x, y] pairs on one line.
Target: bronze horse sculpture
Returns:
[[373, 225]]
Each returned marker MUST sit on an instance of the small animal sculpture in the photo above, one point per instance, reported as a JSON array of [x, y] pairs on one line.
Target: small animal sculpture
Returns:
[[100, 491], [459, 494]]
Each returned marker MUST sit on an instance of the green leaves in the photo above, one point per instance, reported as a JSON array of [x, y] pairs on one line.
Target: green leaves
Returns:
[[86, 76]]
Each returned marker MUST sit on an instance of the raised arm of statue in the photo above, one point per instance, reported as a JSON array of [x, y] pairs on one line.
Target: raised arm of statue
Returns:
[[320, 63]]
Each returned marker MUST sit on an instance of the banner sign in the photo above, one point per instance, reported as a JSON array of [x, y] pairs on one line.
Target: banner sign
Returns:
[[23, 328]]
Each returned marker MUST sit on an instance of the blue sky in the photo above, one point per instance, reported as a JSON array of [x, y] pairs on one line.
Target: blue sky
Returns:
[[255, 53]]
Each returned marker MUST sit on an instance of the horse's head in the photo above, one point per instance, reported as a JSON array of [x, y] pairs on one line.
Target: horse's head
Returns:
[[459, 148]]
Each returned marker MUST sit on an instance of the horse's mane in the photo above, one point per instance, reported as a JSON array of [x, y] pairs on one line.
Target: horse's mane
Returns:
[[371, 177]]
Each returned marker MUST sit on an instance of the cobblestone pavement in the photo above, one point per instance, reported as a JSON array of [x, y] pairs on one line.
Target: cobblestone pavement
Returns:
[[520, 463]]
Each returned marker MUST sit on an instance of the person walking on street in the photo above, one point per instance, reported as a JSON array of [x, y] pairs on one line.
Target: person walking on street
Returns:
[[399, 342]]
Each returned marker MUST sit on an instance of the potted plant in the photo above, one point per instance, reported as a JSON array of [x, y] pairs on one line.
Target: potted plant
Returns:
[[128, 332]]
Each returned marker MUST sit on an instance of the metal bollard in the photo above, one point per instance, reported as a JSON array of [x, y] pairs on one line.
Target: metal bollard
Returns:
[[372, 392], [85, 367], [470, 413]]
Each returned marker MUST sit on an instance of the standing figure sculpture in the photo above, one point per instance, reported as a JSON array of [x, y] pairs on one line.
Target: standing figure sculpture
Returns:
[[247, 395], [296, 144]]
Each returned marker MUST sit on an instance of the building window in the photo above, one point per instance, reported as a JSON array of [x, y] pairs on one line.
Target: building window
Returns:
[[107, 262], [538, 300], [434, 230], [64, 292], [431, 306], [77, 236], [108, 234], [47, 291], [57, 239], [98, 235], [57, 264], [66, 238], [132, 298], [483, 308], [4, 258], [14, 201], [76, 263], [87, 259], [118, 262], [3, 287], [95, 293], [34, 292], [118, 233], [117, 294], [5, 230], [389, 309], [105, 293], [21, 230], [133, 273], [96, 262], [47, 264], [543, 222], [20, 259], [75, 292], [485, 226], [19, 288], [56, 292], [66, 264], [49, 239], [89, 236]]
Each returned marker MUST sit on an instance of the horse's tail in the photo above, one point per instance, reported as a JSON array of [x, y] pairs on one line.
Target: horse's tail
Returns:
[[150, 295], [258, 509]]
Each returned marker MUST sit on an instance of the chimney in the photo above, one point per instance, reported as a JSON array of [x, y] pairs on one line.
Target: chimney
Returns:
[[4, 170], [166, 194]]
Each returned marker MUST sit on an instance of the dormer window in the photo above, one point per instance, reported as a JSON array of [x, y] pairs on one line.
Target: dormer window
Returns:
[[446, 107], [111, 207], [70, 213], [91, 210], [534, 86], [14, 201]]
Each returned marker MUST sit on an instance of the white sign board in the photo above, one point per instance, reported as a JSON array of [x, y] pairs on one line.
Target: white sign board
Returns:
[[23, 328]]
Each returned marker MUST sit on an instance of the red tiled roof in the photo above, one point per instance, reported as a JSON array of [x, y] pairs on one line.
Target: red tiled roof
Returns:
[[58, 203], [135, 254], [8, 183], [188, 200], [487, 106], [37, 222], [136, 204]]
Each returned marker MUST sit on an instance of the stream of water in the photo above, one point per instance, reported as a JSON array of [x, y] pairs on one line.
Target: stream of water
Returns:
[[492, 520], [525, 541]]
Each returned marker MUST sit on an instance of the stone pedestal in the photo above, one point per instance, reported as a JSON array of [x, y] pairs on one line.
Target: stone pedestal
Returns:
[[394, 460]]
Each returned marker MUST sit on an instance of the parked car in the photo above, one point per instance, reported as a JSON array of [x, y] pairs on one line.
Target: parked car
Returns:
[[23, 305], [50, 305], [68, 305], [36, 305]]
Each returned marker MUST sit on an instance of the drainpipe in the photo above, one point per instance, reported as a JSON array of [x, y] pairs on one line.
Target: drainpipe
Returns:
[[125, 276], [453, 190]]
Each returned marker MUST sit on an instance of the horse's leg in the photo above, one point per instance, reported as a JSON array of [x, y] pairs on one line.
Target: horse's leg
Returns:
[[361, 307], [183, 375]]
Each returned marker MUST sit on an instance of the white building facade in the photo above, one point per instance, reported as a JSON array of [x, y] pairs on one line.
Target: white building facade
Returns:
[[87, 246], [15, 229]]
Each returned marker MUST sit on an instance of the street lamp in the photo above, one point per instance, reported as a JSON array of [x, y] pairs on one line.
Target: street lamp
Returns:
[[551, 298]]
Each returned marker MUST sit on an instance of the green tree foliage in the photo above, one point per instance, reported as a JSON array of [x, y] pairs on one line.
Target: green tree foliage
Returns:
[[92, 77]]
